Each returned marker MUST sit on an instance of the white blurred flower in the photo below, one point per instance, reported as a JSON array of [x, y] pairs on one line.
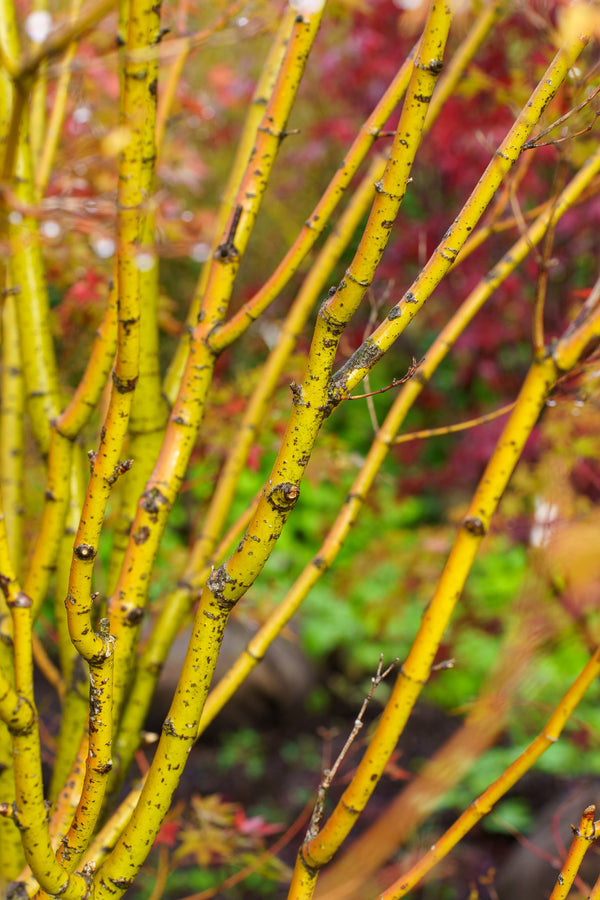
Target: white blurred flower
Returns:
[[82, 114], [104, 247], [145, 262], [544, 517], [38, 26], [200, 252], [307, 7], [50, 228]]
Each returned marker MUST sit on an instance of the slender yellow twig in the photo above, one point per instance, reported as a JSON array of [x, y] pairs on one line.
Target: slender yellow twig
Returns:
[[161, 490], [250, 133], [454, 429], [485, 802], [57, 115], [12, 432], [385, 438], [363, 360], [584, 836], [56, 42]]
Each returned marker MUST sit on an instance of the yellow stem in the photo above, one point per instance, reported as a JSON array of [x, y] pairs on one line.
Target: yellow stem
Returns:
[[363, 360], [386, 437], [453, 429], [149, 411], [12, 432], [43, 560], [56, 42], [38, 99], [47, 151], [264, 89], [27, 280], [417, 666], [485, 802], [99, 761], [92, 383], [583, 838], [130, 594], [30, 809]]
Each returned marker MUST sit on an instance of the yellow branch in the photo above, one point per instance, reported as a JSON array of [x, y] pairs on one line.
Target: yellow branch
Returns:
[[99, 760], [28, 282], [12, 431], [227, 583], [57, 116], [363, 360], [56, 42], [321, 215], [583, 838], [130, 594], [92, 383], [264, 90], [149, 411], [485, 802], [74, 672], [30, 809], [38, 99], [47, 544]]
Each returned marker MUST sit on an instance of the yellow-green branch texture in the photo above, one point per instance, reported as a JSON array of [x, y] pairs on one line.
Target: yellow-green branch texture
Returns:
[[216, 221]]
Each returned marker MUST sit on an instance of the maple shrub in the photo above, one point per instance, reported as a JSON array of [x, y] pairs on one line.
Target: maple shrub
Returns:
[[186, 367]]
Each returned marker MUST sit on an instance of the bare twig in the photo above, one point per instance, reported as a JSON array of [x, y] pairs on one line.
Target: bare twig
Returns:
[[395, 382], [329, 774], [535, 142]]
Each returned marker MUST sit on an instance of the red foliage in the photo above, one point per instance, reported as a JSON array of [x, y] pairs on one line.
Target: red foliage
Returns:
[[167, 836], [83, 303]]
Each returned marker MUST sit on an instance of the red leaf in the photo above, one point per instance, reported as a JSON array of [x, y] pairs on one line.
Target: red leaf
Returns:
[[167, 835]]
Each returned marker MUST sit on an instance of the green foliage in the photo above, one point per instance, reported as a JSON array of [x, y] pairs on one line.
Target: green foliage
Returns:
[[243, 748]]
